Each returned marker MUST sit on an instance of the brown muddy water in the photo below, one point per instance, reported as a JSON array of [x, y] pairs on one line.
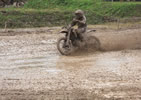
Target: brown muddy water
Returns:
[[31, 68]]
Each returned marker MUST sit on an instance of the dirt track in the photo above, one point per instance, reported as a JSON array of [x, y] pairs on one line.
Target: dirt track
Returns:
[[31, 68]]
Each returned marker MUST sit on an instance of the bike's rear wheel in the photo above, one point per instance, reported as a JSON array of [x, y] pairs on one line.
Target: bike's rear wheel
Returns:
[[63, 49], [93, 42]]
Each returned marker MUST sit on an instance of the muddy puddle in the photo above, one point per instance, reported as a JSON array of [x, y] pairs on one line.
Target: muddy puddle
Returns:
[[31, 68]]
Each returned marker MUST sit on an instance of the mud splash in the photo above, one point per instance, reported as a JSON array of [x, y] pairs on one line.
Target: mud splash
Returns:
[[112, 40]]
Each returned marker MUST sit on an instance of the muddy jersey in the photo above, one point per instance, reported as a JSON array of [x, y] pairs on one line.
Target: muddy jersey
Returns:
[[81, 22]]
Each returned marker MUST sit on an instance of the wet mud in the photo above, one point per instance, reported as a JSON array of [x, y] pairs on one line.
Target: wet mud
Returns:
[[31, 68]]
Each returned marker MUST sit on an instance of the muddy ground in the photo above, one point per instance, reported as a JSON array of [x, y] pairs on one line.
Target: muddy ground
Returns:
[[31, 68]]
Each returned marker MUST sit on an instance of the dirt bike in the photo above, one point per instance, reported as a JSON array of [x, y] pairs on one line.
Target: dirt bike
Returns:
[[66, 45]]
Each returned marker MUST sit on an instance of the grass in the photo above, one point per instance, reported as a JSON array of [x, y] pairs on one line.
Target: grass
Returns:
[[39, 13], [120, 9], [69, 4]]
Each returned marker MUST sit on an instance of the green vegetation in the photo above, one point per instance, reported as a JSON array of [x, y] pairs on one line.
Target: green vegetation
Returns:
[[67, 4], [121, 9], [38, 13]]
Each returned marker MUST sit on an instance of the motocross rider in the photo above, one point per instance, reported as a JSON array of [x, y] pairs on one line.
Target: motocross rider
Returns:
[[80, 21]]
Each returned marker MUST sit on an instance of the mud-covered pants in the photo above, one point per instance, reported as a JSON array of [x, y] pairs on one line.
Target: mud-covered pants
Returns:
[[80, 33]]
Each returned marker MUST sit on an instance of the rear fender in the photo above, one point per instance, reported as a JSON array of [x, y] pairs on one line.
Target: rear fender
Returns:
[[63, 32]]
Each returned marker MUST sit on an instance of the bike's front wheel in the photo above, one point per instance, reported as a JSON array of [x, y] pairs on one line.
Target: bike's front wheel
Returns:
[[63, 48]]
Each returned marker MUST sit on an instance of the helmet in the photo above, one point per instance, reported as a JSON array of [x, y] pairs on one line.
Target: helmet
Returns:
[[79, 12]]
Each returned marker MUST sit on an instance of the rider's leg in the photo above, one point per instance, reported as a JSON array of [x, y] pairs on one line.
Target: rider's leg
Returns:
[[74, 31], [80, 32]]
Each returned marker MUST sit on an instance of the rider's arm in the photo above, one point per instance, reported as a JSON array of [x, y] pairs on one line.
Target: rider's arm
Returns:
[[83, 21], [73, 23]]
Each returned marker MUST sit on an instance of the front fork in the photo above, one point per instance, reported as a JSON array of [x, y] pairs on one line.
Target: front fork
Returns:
[[68, 38]]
